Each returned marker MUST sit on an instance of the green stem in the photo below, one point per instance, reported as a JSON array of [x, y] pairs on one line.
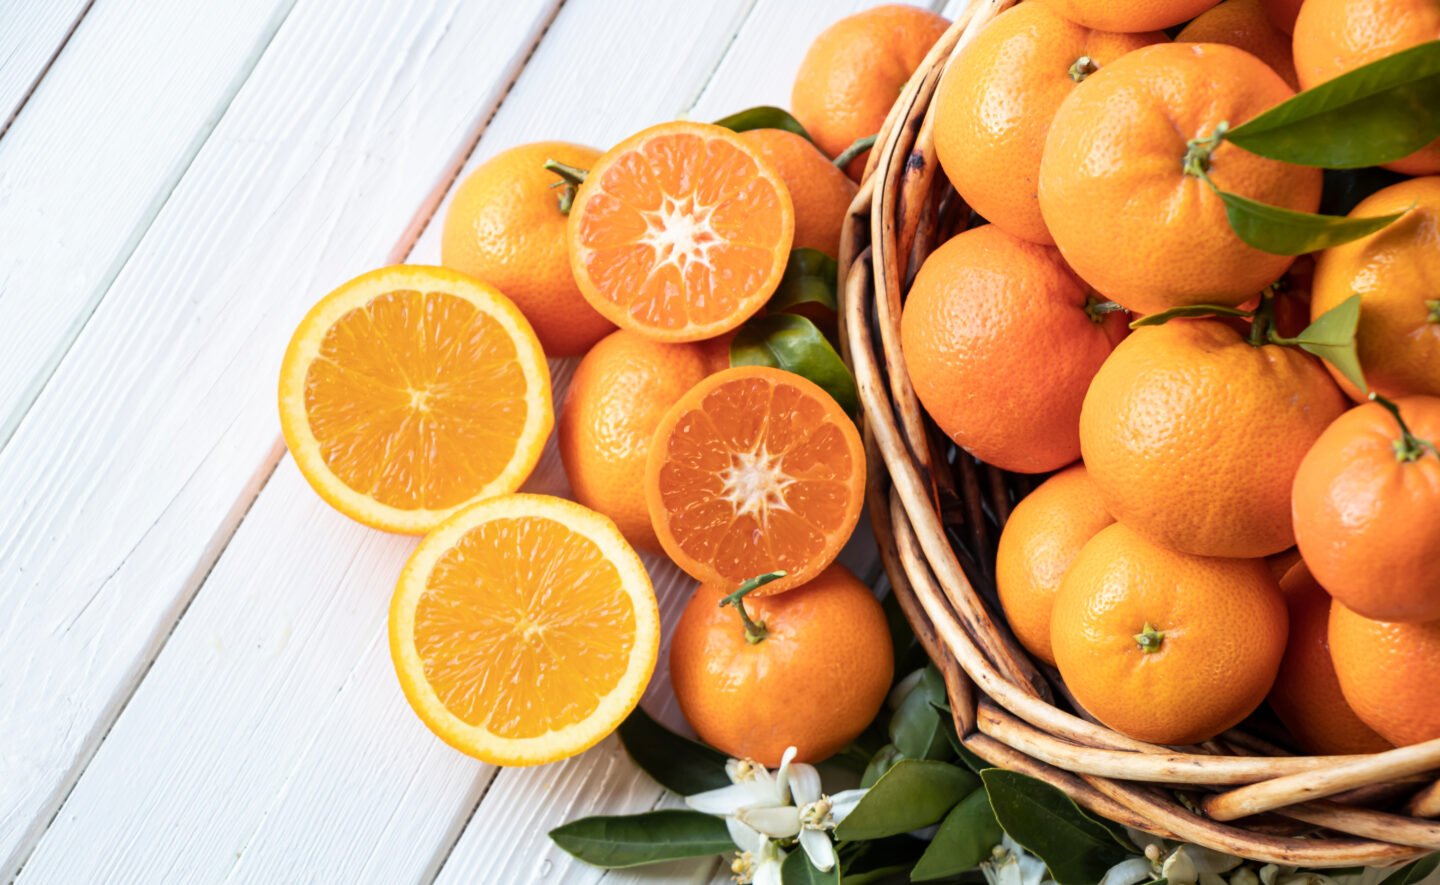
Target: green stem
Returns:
[[754, 631], [860, 146], [1097, 310], [1262, 326], [1084, 66], [571, 177], [1199, 149], [1408, 447], [1149, 639], [1433, 305]]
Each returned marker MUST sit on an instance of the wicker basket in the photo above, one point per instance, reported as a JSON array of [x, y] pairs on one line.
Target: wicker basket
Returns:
[[937, 513]]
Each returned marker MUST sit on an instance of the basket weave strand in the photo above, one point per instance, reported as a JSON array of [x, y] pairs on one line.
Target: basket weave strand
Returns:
[[937, 513]]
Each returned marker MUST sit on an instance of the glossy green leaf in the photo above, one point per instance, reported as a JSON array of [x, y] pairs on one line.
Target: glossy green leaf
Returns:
[[966, 837], [1381, 112], [917, 729], [810, 278], [1413, 873], [636, 839], [1188, 311], [1287, 232], [883, 760], [793, 343], [1077, 849], [678, 764], [1332, 338], [914, 793], [892, 873], [966, 755], [798, 870], [763, 117]]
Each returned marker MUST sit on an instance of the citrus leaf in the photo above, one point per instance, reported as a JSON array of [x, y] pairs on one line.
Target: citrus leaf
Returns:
[[1189, 310], [810, 278], [883, 760], [636, 839], [915, 793], [793, 343], [966, 837], [1332, 338], [1413, 873], [879, 874], [763, 117], [1076, 848], [798, 870], [678, 764], [1374, 114], [1287, 232], [917, 729]]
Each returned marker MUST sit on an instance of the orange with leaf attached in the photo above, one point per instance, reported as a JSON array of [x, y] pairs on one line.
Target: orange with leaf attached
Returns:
[[808, 668]]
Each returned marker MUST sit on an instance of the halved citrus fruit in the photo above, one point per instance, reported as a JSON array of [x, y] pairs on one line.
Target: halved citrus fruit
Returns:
[[410, 392], [755, 470], [524, 629], [680, 232]]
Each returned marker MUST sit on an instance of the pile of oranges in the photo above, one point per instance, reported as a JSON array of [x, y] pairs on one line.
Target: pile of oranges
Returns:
[[418, 399], [1233, 518]]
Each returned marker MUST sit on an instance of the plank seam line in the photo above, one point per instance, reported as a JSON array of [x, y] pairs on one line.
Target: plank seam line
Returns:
[[720, 59], [45, 68], [10, 425], [209, 558]]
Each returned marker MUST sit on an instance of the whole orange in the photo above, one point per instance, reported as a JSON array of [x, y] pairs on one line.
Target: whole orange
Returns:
[[854, 71], [1040, 541], [821, 192], [1246, 25], [1120, 182], [1129, 15], [504, 226], [1388, 673], [814, 681], [1282, 13], [1164, 646], [1193, 435], [1306, 695], [1396, 273], [1000, 343], [994, 105], [617, 396], [1336, 36], [1367, 510]]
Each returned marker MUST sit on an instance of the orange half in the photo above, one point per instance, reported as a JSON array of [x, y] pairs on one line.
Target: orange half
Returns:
[[524, 629], [755, 470], [410, 392], [680, 232]]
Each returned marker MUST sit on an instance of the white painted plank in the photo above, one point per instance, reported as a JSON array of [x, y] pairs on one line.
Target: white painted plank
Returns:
[[31, 33], [158, 428], [111, 128], [506, 840]]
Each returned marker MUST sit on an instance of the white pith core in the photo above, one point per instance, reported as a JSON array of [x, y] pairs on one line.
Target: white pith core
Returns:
[[680, 233], [755, 483]]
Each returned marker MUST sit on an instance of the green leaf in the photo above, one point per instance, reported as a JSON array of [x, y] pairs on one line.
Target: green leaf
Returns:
[[917, 729], [1189, 311], [966, 837], [679, 764], [763, 117], [967, 755], [811, 277], [883, 760], [1412, 873], [1374, 114], [1050, 825], [915, 793], [637, 839], [879, 874], [793, 343], [1332, 338], [798, 870], [1287, 232]]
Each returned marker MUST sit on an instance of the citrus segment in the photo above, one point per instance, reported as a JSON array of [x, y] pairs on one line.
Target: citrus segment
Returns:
[[524, 629], [680, 232], [410, 392], [755, 470]]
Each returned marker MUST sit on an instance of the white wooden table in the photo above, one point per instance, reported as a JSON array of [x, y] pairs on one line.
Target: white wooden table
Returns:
[[194, 680]]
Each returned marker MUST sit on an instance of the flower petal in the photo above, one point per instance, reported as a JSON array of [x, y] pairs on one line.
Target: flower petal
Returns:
[[804, 783], [1129, 872], [844, 802], [767, 872], [1208, 861], [745, 837], [782, 776], [725, 800], [781, 822], [819, 849]]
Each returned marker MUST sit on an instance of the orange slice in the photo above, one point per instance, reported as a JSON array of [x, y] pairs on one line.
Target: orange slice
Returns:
[[410, 392], [755, 470], [524, 629], [680, 232]]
